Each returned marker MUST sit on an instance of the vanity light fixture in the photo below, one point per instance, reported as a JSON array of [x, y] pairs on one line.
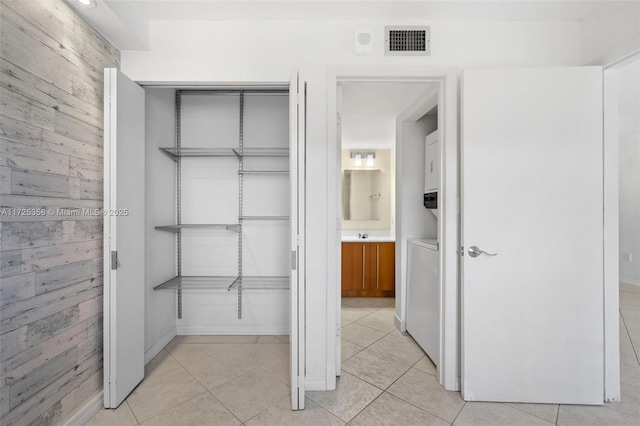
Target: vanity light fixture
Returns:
[[358, 156]]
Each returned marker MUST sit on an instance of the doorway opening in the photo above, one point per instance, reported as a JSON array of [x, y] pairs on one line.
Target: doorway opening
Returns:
[[376, 113]]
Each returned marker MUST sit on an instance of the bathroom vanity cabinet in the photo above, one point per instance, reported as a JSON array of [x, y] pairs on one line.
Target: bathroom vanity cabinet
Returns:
[[368, 269]]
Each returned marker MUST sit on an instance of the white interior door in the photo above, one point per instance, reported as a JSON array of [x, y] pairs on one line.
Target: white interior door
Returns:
[[532, 158], [124, 239], [297, 167]]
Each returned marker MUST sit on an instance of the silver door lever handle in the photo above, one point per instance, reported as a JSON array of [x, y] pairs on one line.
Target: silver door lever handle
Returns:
[[475, 252]]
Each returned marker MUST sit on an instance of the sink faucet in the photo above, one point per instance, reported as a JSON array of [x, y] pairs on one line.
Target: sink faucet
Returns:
[[363, 236]]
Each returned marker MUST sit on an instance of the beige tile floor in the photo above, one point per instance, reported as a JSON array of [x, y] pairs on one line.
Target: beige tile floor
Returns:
[[386, 380]]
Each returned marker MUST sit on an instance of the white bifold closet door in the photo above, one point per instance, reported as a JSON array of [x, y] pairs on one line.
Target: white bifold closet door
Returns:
[[297, 167], [532, 233], [124, 236], [124, 258]]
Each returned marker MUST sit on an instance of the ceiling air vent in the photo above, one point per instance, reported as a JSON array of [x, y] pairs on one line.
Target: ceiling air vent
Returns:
[[407, 41]]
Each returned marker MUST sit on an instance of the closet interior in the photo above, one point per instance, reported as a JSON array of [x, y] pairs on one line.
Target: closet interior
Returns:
[[218, 203]]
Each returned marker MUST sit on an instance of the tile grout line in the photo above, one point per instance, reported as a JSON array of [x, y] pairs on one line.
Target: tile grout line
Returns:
[[387, 388], [508, 404], [225, 407], [408, 402], [257, 414], [557, 414], [458, 415], [169, 408], [275, 377], [365, 407], [624, 323], [422, 409], [207, 390], [271, 406], [132, 413]]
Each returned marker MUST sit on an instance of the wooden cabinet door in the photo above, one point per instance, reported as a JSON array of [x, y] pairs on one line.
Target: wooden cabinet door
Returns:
[[385, 268], [354, 273], [368, 269]]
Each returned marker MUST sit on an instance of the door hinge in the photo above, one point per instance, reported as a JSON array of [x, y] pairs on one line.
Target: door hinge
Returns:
[[461, 250], [339, 118], [294, 260], [114, 260]]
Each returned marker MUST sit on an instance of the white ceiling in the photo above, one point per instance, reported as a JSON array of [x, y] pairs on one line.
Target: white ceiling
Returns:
[[126, 22], [163, 10], [369, 111]]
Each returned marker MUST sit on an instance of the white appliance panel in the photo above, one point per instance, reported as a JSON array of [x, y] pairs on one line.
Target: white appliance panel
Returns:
[[423, 296]]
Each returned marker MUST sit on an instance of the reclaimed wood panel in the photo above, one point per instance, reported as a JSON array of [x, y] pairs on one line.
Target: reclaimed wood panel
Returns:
[[47, 257], [39, 354], [51, 162], [29, 385], [10, 263], [15, 79], [29, 182], [5, 180], [78, 396], [19, 131], [25, 312], [16, 288], [16, 155], [40, 403], [17, 106], [30, 234], [52, 279]]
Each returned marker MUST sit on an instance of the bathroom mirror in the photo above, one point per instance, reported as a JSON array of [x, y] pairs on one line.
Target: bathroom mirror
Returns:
[[361, 193]]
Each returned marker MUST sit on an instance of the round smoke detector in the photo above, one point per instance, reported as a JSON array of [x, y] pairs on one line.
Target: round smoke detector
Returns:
[[363, 42]]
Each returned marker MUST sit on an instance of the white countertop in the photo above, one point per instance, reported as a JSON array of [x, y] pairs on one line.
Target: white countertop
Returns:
[[371, 239]]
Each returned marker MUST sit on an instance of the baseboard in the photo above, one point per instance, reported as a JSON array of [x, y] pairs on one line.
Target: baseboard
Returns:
[[629, 281], [160, 344], [231, 331], [90, 409], [318, 383], [400, 325]]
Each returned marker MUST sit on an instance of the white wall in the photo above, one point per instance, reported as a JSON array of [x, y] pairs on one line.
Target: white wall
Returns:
[[271, 50], [610, 32], [209, 194], [160, 305], [629, 171]]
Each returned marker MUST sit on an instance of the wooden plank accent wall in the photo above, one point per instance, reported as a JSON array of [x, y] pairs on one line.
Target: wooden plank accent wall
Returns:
[[51, 149]]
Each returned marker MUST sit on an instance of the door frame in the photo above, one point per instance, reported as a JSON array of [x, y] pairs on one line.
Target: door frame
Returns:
[[611, 229], [447, 78], [300, 313], [450, 349]]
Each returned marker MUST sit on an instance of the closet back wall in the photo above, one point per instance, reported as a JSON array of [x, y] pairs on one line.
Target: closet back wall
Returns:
[[51, 130]]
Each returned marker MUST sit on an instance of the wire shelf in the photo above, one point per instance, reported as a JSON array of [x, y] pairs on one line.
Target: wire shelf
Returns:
[[263, 172], [176, 153], [234, 227], [225, 283], [264, 218]]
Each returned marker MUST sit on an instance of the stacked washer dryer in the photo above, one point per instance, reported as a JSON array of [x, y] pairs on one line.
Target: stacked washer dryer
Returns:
[[423, 275]]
